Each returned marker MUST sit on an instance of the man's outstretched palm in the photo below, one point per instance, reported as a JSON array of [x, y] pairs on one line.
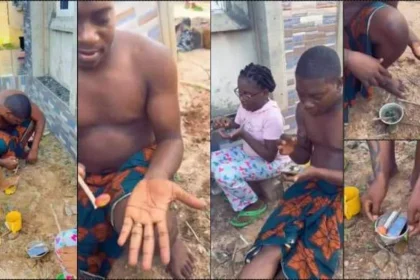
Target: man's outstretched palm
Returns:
[[146, 207]]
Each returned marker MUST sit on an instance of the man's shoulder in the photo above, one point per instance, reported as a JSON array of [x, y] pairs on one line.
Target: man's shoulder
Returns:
[[142, 48]]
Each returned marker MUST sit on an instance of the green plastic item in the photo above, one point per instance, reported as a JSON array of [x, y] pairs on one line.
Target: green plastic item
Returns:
[[60, 276]]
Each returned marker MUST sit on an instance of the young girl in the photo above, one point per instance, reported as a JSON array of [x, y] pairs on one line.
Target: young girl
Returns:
[[259, 123]]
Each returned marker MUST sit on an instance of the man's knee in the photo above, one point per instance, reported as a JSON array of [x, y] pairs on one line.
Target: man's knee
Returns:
[[390, 27]]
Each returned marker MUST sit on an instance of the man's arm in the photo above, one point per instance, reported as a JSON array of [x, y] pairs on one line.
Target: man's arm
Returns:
[[333, 176], [164, 114], [303, 149], [39, 119]]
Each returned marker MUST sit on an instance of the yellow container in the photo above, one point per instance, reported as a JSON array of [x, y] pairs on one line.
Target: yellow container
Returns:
[[14, 221], [352, 203]]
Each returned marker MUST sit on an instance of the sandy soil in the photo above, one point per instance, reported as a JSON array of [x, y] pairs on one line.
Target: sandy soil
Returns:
[[407, 69], [194, 174], [51, 181], [363, 257]]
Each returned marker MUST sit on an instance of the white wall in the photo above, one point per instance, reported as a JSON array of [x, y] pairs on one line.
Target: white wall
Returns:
[[231, 52], [61, 58]]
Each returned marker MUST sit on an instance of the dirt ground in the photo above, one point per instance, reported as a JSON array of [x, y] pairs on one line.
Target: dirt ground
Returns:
[[194, 174], [52, 180], [363, 256], [407, 69]]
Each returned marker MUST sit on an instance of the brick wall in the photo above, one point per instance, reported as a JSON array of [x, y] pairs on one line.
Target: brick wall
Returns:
[[306, 24]]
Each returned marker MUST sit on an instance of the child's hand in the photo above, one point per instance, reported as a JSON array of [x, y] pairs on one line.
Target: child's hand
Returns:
[[287, 144], [309, 173], [146, 207], [221, 123], [233, 136]]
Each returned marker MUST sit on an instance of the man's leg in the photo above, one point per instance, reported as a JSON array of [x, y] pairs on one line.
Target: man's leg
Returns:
[[264, 265], [382, 155], [389, 33], [416, 169], [182, 262]]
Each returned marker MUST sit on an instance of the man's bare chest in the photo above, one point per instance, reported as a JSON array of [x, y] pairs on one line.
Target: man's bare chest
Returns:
[[326, 131], [111, 99]]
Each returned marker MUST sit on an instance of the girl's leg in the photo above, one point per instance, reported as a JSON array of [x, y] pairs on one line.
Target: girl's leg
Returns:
[[226, 156], [232, 177]]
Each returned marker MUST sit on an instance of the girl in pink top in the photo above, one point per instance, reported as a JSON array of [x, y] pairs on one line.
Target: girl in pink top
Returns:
[[259, 123]]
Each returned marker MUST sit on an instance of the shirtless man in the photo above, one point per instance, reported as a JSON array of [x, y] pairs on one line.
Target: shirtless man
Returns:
[[384, 167], [370, 50], [129, 146], [310, 213], [19, 121]]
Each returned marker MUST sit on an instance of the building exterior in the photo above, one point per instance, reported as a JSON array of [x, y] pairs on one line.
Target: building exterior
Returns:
[[11, 22], [50, 66], [274, 34]]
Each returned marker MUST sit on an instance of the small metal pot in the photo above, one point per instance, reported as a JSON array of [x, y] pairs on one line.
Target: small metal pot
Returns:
[[390, 240], [390, 106]]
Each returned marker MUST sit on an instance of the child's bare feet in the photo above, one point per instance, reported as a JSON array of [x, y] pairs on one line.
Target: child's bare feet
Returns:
[[182, 262]]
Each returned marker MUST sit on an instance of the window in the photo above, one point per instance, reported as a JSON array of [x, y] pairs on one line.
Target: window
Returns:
[[65, 8]]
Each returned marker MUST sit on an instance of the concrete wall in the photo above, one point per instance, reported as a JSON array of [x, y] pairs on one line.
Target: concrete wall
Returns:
[[231, 51], [4, 29], [62, 48]]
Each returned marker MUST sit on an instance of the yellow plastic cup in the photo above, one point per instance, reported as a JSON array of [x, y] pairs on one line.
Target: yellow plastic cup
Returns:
[[352, 203], [14, 221]]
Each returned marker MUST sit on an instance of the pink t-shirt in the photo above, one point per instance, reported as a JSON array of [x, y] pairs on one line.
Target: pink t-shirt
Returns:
[[266, 123]]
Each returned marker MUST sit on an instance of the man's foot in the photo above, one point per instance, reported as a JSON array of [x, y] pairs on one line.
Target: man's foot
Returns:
[[414, 44], [182, 262], [68, 257]]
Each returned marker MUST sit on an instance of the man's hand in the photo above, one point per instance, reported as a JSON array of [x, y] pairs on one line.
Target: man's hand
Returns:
[[146, 207], [32, 156], [309, 173], [287, 144], [222, 122], [10, 163], [413, 213], [372, 200], [370, 72]]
